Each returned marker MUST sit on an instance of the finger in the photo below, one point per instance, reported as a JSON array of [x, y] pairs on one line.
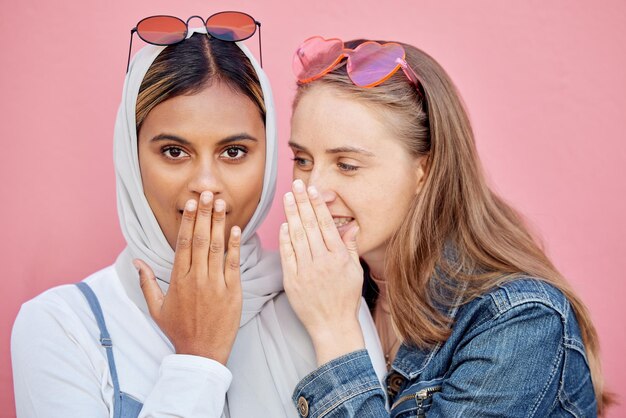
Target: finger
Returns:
[[202, 235], [232, 275], [349, 239], [328, 229], [308, 219], [216, 249], [182, 257], [297, 233], [287, 255], [151, 291]]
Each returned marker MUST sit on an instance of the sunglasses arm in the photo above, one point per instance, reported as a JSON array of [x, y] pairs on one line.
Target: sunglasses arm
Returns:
[[410, 73], [260, 51], [130, 47]]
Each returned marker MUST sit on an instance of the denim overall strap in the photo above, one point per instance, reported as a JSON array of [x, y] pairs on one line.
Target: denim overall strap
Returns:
[[106, 342]]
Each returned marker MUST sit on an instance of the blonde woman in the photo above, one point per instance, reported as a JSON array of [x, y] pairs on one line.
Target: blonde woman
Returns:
[[474, 319]]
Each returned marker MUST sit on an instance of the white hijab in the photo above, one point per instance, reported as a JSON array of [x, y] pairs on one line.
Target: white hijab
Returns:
[[279, 361]]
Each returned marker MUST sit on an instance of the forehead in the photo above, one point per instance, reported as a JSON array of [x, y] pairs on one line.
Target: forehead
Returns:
[[324, 118], [218, 110]]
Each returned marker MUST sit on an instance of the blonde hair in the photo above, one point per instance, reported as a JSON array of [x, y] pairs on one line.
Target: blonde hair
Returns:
[[455, 208]]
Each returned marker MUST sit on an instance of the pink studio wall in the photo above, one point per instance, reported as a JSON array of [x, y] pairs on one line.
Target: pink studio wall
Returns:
[[544, 83]]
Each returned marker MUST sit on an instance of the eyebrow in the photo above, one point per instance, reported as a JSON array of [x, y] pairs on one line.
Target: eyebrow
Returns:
[[337, 150], [183, 141]]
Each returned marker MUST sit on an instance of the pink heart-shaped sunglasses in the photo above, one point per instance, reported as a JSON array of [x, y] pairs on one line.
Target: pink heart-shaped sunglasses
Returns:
[[368, 65]]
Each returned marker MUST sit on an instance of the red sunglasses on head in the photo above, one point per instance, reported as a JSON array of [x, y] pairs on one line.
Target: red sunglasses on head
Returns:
[[368, 65], [168, 30]]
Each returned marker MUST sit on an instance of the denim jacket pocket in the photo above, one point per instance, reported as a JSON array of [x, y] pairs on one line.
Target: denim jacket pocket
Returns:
[[415, 399]]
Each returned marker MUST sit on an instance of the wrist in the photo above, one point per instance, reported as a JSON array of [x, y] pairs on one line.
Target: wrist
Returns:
[[336, 341], [221, 356]]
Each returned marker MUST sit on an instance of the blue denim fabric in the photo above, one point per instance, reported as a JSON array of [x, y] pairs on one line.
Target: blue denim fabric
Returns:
[[513, 352], [124, 405]]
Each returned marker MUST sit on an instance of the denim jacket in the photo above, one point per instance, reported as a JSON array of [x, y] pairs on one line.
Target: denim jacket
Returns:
[[513, 352]]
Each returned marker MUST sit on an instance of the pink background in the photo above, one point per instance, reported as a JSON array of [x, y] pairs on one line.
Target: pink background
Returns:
[[544, 83]]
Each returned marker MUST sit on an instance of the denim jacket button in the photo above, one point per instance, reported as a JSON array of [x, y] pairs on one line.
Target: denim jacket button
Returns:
[[394, 383], [303, 407]]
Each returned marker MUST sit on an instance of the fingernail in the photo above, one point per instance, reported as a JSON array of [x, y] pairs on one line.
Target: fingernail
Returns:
[[206, 197], [313, 192], [236, 231], [298, 186], [289, 198], [191, 205], [284, 227], [137, 265], [219, 205]]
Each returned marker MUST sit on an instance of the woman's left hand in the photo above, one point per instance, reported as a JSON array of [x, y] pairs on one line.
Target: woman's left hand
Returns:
[[323, 277]]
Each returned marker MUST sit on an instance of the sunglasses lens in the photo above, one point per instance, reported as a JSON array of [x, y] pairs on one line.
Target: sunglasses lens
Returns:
[[315, 57], [231, 26], [162, 30], [372, 63]]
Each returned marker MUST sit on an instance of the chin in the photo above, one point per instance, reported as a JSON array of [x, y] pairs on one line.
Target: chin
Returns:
[[367, 250]]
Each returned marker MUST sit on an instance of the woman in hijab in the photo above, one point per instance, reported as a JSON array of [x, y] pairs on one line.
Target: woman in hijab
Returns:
[[203, 335]]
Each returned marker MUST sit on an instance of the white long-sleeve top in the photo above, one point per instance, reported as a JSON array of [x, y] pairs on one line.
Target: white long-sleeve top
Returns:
[[61, 370]]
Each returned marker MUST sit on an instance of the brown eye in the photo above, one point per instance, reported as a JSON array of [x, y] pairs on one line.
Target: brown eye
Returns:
[[234, 153], [173, 153]]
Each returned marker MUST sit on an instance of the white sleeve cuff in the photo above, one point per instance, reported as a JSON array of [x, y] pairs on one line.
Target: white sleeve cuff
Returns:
[[184, 362], [188, 386]]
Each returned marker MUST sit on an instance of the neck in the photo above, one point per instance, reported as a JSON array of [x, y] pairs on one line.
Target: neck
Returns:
[[376, 263]]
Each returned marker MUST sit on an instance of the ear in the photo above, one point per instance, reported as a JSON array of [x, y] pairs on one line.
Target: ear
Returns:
[[422, 165]]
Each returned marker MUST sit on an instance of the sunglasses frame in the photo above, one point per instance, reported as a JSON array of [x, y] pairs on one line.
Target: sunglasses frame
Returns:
[[347, 53], [134, 30]]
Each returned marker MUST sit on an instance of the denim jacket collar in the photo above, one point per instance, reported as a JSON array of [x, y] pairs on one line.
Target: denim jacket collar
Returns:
[[411, 361]]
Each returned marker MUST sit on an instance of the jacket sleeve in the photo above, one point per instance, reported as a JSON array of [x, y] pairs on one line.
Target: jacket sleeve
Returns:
[[508, 365], [57, 371], [344, 387]]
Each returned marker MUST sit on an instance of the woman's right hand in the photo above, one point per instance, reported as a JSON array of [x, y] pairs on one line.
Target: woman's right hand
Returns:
[[322, 274], [201, 311]]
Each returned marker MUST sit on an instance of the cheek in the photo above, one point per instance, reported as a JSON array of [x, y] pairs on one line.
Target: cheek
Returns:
[[149, 178], [300, 175], [161, 187], [250, 192], [245, 188], [381, 206], [375, 213], [158, 187]]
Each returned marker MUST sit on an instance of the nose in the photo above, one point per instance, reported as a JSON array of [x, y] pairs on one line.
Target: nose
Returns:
[[205, 177], [323, 183]]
